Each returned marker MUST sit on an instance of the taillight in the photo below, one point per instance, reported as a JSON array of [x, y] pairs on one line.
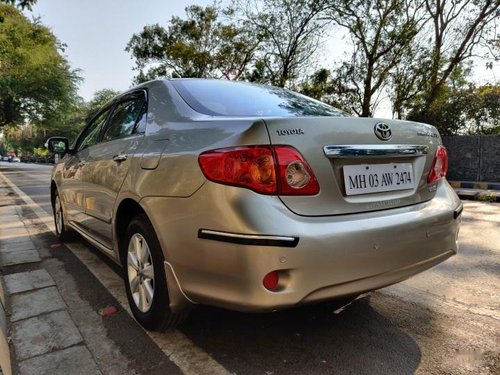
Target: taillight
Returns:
[[439, 165], [273, 170]]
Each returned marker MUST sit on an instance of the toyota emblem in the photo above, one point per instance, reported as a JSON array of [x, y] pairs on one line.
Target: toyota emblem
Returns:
[[383, 131]]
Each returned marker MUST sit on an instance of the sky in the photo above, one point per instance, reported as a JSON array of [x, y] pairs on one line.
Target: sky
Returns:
[[96, 33]]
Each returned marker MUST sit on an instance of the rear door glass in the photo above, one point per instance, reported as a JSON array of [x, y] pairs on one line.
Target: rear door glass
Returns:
[[124, 119]]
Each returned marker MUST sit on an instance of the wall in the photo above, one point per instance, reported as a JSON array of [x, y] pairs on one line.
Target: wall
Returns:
[[473, 157]]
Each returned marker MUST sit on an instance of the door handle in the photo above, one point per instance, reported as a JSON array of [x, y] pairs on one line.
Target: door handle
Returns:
[[120, 157]]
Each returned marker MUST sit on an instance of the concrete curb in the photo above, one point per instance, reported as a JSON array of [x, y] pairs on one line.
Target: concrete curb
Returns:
[[5, 360], [475, 185], [483, 196], [477, 191]]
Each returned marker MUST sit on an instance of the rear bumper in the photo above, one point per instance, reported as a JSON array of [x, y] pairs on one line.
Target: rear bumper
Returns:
[[333, 256]]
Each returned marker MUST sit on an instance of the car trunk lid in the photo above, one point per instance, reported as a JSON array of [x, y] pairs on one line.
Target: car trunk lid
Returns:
[[358, 171]]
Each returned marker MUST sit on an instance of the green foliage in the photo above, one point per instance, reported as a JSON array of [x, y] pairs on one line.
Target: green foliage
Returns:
[[331, 88], [462, 108], [40, 151], [199, 46], [36, 82], [22, 4], [483, 110], [23, 139], [457, 28], [100, 98]]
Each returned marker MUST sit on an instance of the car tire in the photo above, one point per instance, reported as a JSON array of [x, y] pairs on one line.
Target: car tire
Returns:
[[144, 276], [62, 232]]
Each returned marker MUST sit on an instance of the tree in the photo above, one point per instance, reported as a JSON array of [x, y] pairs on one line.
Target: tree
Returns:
[[202, 45], [381, 32], [22, 4], [408, 78], [24, 138], [100, 98], [290, 31], [464, 108], [333, 87], [457, 28], [36, 82], [482, 110]]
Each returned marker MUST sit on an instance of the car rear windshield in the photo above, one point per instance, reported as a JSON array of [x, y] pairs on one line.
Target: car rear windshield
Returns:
[[230, 98]]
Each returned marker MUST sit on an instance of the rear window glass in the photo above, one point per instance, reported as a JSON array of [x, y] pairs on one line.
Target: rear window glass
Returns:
[[230, 98]]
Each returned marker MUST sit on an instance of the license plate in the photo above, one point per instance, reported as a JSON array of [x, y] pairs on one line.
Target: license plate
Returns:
[[376, 178]]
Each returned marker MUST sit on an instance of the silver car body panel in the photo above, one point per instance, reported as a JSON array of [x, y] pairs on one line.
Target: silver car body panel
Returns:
[[220, 241]]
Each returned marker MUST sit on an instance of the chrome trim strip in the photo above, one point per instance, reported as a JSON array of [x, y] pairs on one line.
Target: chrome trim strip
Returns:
[[248, 239], [347, 151]]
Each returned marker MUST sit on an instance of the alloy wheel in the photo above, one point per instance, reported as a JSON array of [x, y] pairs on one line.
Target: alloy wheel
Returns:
[[140, 272], [58, 215]]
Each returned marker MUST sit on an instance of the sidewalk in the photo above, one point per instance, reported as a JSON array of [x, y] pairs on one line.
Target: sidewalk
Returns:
[[43, 337], [479, 191]]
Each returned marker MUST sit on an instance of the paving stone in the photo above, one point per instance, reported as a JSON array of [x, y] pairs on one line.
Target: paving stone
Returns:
[[19, 257], [11, 223], [16, 246], [75, 361], [15, 232], [15, 242], [44, 334], [25, 281], [34, 303], [9, 217]]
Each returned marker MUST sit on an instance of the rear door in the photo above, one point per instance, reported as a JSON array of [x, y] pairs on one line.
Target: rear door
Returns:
[[362, 164], [108, 162]]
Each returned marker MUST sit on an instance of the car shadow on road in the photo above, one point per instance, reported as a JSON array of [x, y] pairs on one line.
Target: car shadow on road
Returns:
[[305, 340]]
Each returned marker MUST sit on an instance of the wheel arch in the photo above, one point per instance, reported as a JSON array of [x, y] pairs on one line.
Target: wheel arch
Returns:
[[126, 211], [53, 189]]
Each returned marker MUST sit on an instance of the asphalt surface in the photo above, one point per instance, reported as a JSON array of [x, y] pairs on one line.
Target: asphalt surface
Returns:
[[444, 321]]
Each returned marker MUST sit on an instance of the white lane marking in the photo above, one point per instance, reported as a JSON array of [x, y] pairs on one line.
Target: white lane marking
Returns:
[[191, 359]]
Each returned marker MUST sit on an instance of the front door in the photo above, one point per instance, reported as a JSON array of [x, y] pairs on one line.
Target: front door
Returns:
[[71, 188]]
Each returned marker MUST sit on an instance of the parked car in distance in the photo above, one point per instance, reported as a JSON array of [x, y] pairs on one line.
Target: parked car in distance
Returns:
[[15, 159], [252, 198]]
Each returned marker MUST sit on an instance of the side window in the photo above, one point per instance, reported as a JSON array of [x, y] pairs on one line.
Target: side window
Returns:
[[124, 118], [90, 135]]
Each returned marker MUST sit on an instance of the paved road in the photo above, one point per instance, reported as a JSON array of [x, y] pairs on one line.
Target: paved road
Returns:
[[444, 321]]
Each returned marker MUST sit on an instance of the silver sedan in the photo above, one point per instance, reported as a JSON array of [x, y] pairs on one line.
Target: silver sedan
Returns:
[[252, 198]]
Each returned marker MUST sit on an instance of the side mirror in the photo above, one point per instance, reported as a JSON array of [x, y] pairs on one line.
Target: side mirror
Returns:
[[58, 145]]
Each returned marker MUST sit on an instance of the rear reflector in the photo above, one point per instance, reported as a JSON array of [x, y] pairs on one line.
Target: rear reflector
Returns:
[[273, 170], [439, 165], [271, 280], [296, 177]]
